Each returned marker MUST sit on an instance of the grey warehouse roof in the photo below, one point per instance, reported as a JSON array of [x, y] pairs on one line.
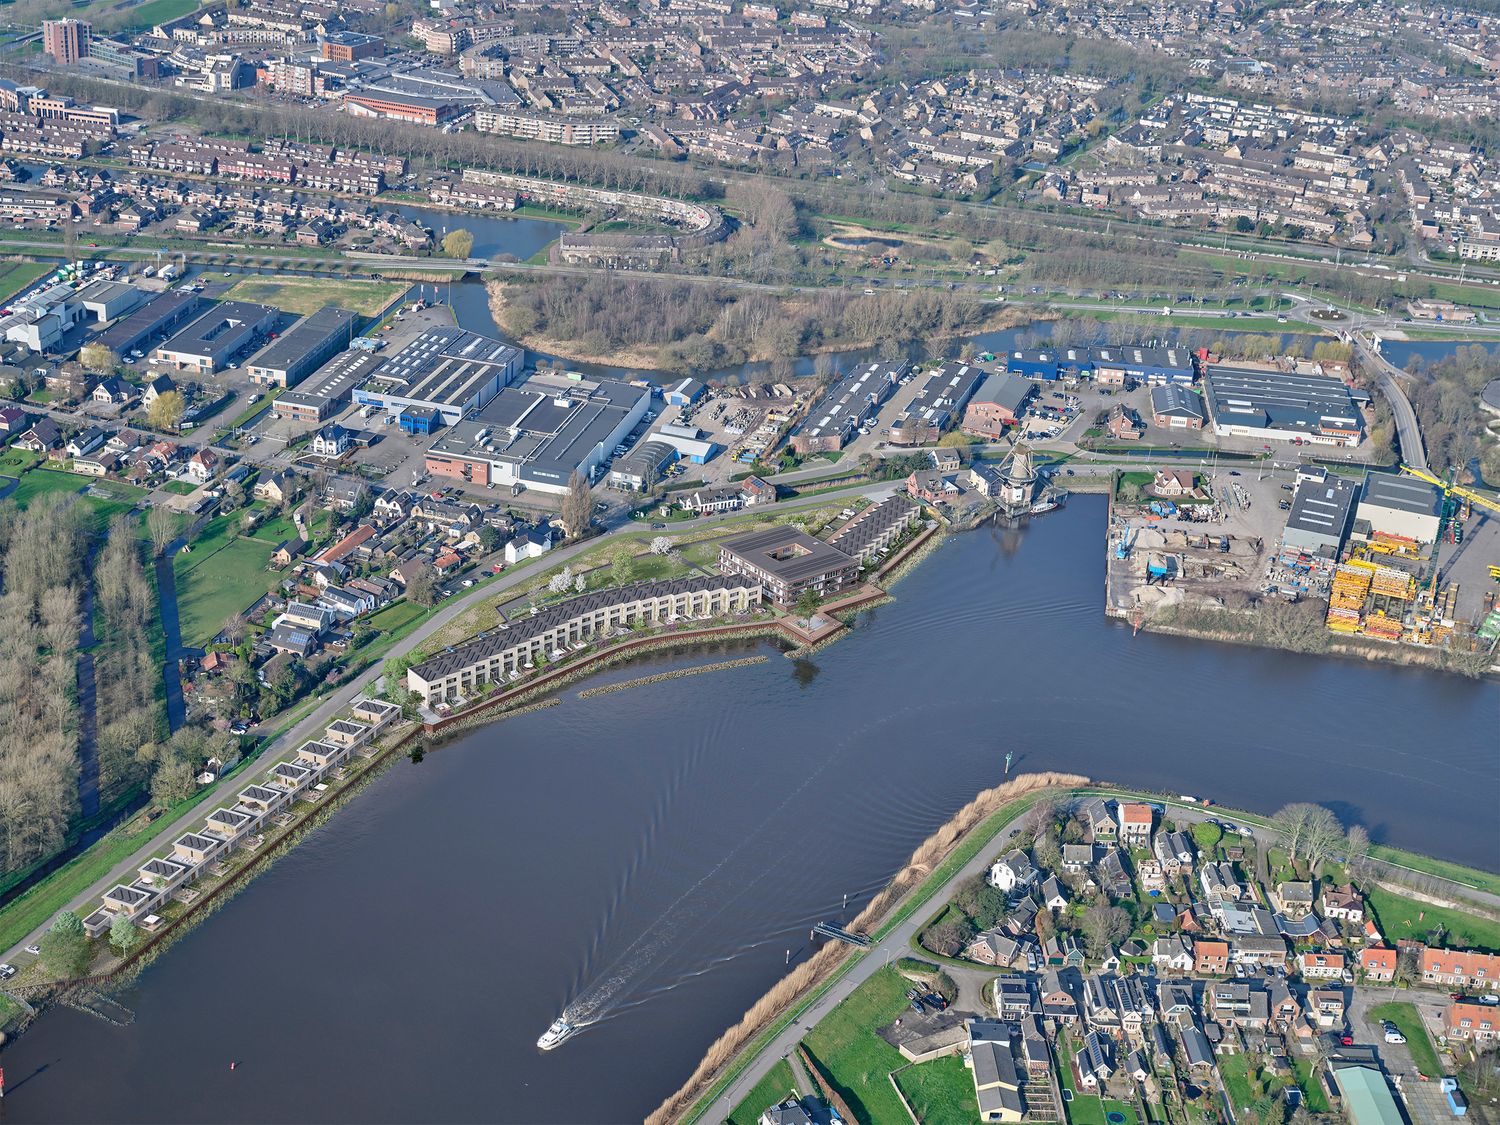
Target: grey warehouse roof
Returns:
[[1403, 493], [809, 556]]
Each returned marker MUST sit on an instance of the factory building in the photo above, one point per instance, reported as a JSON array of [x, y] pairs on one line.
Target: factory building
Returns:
[[303, 348], [938, 404], [328, 390], [1271, 404], [845, 407], [538, 434], [643, 467], [1155, 367], [1398, 508], [1048, 364], [1319, 520], [441, 377], [213, 340], [150, 322], [998, 403]]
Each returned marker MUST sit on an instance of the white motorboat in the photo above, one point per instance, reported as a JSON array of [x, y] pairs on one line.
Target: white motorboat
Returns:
[[555, 1034]]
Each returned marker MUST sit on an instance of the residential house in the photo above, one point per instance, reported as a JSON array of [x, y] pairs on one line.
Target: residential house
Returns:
[[1211, 958], [1054, 897], [85, 442], [1173, 850], [331, 441], [1327, 1007], [1124, 423], [529, 544], [1343, 904], [1321, 965], [394, 505], [111, 391], [946, 460], [1293, 899], [1077, 858], [1478, 1023], [931, 486], [1101, 823], [997, 1082], [1172, 483], [1378, 963], [13, 420], [157, 387], [1013, 871], [1172, 953], [348, 545], [42, 437], [287, 552], [202, 465], [1237, 1003], [1058, 1000], [1114, 880], [1094, 1066], [275, 487], [1174, 999], [1135, 823], [1013, 998], [1451, 967], [995, 947], [1219, 882]]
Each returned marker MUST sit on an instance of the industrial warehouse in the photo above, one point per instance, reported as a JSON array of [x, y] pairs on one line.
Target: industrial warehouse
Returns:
[[847, 405], [538, 434], [1269, 403], [440, 377]]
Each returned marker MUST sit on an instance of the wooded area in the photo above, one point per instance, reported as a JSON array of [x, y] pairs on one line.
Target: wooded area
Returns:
[[41, 560], [126, 675]]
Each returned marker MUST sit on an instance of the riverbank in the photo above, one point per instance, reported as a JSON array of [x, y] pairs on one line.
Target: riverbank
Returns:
[[930, 868], [653, 357], [741, 1077]]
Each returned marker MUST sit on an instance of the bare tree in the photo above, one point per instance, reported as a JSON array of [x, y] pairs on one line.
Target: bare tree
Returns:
[[161, 524], [577, 506]]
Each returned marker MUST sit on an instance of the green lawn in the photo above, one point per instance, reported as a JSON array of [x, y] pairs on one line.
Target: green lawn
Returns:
[[1400, 917], [941, 1092], [43, 482], [153, 12], [395, 616], [1404, 1015], [1312, 1089], [855, 1059], [15, 276], [221, 576], [14, 462], [179, 487], [303, 295], [770, 1090]]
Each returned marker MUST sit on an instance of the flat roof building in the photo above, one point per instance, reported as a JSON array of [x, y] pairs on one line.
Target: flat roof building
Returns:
[[503, 653], [1319, 520], [1399, 507], [938, 404], [787, 561], [1153, 366], [845, 406], [446, 370], [539, 433], [999, 402], [328, 390], [1281, 405], [303, 348], [215, 338], [109, 300], [150, 322], [1367, 1096]]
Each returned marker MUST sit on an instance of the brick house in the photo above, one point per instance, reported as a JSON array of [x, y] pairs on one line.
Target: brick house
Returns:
[[1317, 965], [1378, 963], [1211, 957], [1477, 1022], [1451, 967], [1135, 823]]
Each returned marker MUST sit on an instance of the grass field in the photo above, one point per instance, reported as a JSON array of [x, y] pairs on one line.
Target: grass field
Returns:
[[43, 482], [941, 1092], [395, 616], [304, 295], [179, 487], [1468, 876], [1404, 1015], [153, 12], [221, 576], [776, 1085], [15, 276], [853, 1057], [1400, 917]]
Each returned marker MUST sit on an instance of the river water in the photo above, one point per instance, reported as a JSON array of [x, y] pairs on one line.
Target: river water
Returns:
[[651, 855]]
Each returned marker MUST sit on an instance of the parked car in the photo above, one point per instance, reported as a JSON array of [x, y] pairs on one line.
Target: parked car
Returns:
[[1394, 1037], [34, 950], [7, 971]]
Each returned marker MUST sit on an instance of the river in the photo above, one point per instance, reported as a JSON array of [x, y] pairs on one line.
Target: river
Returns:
[[657, 851]]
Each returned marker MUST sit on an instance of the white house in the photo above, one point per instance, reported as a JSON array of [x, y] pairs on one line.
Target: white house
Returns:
[[529, 544], [1012, 871]]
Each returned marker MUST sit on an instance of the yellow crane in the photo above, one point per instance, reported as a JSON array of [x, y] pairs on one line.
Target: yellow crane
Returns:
[[1454, 490]]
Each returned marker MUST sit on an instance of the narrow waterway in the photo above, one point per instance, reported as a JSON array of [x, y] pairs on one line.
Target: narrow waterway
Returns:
[[654, 853]]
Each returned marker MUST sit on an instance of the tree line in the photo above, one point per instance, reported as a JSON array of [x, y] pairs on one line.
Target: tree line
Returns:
[[126, 675], [41, 559]]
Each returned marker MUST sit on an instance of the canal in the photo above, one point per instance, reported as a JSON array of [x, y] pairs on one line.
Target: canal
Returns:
[[651, 855]]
